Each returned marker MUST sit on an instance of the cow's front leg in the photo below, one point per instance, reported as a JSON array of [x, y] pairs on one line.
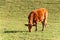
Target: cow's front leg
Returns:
[[36, 26]]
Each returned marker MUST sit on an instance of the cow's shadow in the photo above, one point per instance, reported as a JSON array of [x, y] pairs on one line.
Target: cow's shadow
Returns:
[[14, 31]]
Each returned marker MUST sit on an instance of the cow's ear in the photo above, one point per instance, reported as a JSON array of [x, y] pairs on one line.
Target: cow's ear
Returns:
[[26, 24]]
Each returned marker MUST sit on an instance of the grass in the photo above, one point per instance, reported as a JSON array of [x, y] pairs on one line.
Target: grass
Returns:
[[13, 17]]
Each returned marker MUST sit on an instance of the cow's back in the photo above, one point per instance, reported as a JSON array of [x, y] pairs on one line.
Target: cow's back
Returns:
[[37, 15], [42, 13]]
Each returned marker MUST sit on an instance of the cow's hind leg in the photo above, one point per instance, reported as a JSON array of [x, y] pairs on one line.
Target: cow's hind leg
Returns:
[[43, 24]]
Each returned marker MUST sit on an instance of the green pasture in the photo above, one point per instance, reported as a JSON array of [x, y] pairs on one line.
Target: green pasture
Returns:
[[13, 17]]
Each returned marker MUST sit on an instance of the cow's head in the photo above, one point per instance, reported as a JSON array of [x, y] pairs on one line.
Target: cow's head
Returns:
[[29, 27]]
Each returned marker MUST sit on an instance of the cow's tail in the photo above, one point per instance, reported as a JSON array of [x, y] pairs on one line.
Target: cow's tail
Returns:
[[46, 15]]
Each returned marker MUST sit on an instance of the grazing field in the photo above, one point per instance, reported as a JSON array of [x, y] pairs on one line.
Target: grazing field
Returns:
[[13, 17]]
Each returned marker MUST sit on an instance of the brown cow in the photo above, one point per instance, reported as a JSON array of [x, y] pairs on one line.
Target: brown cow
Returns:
[[35, 16]]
